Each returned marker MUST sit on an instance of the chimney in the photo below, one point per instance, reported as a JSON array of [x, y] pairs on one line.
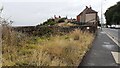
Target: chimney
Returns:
[[55, 16], [90, 7], [86, 6], [59, 16]]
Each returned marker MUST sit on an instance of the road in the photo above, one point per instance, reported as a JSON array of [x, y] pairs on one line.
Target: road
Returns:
[[114, 33], [104, 51]]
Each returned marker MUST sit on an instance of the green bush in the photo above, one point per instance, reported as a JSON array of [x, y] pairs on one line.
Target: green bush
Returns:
[[61, 20], [49, 22]]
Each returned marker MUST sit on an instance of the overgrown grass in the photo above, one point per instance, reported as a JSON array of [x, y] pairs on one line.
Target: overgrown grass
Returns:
[[65, 50]]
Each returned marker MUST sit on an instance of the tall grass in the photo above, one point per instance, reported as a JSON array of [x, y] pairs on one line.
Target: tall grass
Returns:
[[0, 46], [65, 50], [11, 43]]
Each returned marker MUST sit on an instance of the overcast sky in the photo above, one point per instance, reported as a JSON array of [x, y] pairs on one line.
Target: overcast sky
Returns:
[[33, 12]]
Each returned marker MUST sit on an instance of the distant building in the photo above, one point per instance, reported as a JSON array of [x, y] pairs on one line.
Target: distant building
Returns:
[[65, 19], [70, 20], [88, 16]]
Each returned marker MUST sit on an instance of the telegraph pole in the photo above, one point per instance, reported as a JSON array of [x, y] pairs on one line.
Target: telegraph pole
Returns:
[[101, 15]]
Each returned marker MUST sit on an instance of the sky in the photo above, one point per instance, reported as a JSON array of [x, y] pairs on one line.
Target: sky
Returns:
[[34, 12]]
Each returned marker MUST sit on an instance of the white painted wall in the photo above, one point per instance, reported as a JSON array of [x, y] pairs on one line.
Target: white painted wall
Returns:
[[90, 16]]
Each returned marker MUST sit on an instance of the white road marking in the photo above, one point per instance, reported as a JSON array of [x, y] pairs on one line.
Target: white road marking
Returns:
[[108, 46], [116, 56], [102, 32], [106, 42]]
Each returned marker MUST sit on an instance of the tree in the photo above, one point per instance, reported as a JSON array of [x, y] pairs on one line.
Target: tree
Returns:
[[112, 14], [116, 18]]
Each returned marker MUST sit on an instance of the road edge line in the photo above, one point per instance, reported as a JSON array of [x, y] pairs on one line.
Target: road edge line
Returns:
[[112, 39]]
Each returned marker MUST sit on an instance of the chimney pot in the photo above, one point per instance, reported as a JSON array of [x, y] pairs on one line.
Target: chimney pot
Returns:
[[86, 6], [90, 7]]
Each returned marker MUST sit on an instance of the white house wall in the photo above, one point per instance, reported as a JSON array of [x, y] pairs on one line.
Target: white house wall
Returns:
[[91, 17]]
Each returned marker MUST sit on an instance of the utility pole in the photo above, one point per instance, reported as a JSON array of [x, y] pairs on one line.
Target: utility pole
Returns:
[[101, 15]]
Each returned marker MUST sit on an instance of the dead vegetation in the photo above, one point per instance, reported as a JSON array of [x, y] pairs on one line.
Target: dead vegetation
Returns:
[[66, 50]]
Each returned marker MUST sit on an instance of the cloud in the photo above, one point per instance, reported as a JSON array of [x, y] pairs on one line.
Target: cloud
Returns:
[[32, 12], [35, 0]]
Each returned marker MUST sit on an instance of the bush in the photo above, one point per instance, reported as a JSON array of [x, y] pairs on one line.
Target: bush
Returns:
[[61, 20], [49, 22]]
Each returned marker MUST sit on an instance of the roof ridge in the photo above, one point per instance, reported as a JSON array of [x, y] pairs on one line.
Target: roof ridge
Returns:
[[88, 10]]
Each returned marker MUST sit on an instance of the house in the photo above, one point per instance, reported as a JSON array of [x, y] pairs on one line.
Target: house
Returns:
[[88, 16]]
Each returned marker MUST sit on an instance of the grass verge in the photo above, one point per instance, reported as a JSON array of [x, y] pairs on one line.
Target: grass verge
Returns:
[[65, 50]]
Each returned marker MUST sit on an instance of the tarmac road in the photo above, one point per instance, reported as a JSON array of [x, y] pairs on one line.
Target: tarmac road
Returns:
[[101, 52], [115, 33]]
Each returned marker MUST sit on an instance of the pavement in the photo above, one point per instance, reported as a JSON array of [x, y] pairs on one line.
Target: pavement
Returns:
[[102, 52]]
